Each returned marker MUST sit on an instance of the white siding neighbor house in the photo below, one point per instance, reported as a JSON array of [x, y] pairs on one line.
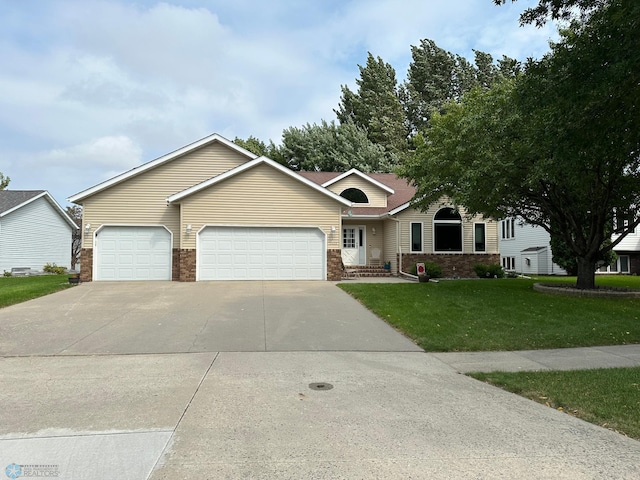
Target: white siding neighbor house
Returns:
[[526, 249], [34, 230], [628, 251]]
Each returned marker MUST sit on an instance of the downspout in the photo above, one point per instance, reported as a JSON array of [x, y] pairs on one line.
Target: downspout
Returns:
[[400, 272]]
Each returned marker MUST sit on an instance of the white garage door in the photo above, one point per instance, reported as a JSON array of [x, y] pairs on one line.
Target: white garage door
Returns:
[[133, 253], [261, 253]]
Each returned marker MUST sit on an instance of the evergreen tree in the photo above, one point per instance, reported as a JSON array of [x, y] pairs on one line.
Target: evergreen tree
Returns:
[[333, 148], [376, 107]]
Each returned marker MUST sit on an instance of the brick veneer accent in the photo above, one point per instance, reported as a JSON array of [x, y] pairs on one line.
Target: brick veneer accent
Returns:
[[187, 261], [86, 264], [334, 265], [175, 265], [453, 265]]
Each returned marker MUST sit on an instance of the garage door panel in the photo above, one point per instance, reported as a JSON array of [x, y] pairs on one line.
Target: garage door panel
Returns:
[[133, 253], [261, 253]]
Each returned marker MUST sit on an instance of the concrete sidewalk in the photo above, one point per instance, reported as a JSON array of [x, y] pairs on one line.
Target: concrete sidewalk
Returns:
[[557, 359], [214, 380]]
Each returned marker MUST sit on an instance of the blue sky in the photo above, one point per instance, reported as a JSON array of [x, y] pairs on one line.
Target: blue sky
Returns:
[[90, 89]]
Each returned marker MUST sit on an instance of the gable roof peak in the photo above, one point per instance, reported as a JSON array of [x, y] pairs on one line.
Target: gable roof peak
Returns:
[[364, 176], [246, 166], [161, 160], [12, 200]]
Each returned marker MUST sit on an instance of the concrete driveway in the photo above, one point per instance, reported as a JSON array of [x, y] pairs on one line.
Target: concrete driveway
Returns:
[[173, 317], [213, 380]]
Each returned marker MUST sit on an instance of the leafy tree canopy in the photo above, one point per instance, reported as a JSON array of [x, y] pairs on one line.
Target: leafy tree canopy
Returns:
[[260, 148], [556, 10], [557, 146], [436, 76], [4, 181], [333, 148]]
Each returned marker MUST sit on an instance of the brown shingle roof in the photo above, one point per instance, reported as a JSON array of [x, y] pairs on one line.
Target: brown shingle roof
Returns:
[[403, 191]]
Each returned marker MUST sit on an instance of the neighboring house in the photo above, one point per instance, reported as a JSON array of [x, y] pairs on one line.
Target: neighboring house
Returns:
[[34, 230], [526, 249], [214, 211], [628, 251]]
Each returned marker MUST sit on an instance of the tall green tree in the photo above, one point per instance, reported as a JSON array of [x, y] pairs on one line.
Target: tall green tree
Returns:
[[556, 10], [4, 181], [437, 76], [258, 147], [558, 146], [375, 107], [333, 147]]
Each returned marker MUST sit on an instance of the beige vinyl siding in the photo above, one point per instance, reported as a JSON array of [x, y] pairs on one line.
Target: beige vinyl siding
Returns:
[[142, 199], [261, 196], [390, 244], [410, 215], [377, 197]]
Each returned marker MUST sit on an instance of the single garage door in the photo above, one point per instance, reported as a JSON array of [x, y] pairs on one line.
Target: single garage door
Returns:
[[261, 253], [133, 253]]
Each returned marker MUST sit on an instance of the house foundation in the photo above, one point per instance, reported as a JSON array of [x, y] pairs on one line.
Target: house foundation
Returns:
[[334, 265], [453, 265], [86, 264]]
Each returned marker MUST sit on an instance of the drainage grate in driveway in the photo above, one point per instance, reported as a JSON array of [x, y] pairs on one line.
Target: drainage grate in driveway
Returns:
[[320, 386]]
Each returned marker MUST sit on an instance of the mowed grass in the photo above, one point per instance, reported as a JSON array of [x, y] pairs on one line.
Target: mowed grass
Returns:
[[20, 289], [502, 314], [606, 397]]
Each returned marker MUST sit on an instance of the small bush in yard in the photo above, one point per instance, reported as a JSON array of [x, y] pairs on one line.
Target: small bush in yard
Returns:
[[53, 268], [433, 269], [493, 270]]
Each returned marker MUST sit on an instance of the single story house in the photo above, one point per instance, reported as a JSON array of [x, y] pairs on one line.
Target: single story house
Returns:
[[215, 211], [34, 230]]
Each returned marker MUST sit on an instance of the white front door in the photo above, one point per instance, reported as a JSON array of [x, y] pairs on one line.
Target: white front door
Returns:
[[353, 245]]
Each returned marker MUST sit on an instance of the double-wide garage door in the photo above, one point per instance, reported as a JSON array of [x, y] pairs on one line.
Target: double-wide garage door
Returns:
[[133, 253], [261, 253]]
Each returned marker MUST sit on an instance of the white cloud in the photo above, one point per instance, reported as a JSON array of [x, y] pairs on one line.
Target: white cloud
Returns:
[[114, 153], [95, 87]]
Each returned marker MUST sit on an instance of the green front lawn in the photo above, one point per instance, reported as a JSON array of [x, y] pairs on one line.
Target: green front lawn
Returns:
[[20, 289], [506, 314], [502, 314], [607, 397]]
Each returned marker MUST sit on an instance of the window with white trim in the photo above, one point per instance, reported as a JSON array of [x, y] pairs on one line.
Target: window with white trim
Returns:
[[355, 195], [415, 230], [447, 230], [479, 237], [621, 265], [507, 228], [348, 238], [509, 263]]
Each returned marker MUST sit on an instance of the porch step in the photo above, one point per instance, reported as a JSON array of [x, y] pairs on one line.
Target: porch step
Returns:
[[371, 271]]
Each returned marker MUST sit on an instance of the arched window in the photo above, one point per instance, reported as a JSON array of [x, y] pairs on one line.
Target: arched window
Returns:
[[355, 195], [447, 230]]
